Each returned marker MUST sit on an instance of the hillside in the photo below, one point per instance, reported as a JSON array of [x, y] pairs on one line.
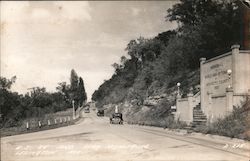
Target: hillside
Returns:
[[152, 68]]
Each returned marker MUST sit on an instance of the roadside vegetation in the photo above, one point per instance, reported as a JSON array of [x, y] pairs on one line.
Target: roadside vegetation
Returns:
[[15, 108], [235, 125]]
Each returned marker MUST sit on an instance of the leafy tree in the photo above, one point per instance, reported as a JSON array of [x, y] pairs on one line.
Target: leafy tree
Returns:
[[213, 26], [15, 107], [81, 92], [117, 67], [40, 98], [64, 89], [134, 51], [77, 90], [123, 61], [6, 83], [166, 36], [74, 86]]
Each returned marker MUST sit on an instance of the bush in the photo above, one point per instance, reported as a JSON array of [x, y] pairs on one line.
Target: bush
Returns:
[[235, 125]]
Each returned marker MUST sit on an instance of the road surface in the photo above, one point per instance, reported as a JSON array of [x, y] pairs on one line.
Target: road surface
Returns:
[[93, 138]]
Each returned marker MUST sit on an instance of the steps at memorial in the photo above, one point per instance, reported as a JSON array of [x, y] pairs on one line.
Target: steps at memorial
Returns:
[[199, 118]]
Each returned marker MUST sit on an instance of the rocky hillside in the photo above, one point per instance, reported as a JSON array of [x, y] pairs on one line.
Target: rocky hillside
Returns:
[[144, 82], [154, 109]]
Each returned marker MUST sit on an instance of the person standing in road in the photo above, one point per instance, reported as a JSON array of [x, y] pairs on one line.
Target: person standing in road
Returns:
[[116, 109]]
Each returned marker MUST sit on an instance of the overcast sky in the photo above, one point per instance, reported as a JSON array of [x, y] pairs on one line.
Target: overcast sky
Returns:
[[42, 41]]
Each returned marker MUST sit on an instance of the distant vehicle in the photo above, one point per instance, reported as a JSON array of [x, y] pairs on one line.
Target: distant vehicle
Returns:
[[100, 113], [173, 108], [86, 110], [116, 118]]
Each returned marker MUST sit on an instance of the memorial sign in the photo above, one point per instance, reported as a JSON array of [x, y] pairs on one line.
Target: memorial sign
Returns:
[[216, 79]]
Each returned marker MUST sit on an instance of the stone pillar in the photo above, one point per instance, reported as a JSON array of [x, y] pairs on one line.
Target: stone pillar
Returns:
[[235, 78], [229, 100], [202, 84], [209, 107], [177, 113], [190, 107]]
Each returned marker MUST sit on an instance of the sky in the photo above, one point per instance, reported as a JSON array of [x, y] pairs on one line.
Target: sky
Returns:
[[42, 41]]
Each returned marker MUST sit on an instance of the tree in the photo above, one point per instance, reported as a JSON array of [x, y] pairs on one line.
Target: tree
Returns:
[[6, 83], [213, 25], [11, 105], [81, 92], [74, 86], [166, 36], [41, 98], [64, 89], [134, 49], [117, 67], [192, 12], [123, 60], [15, 107]]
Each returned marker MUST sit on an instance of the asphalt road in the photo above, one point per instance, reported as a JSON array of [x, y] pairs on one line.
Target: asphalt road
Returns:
[[93, 138]]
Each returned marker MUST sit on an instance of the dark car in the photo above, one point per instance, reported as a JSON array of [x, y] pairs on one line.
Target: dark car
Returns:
[[116, 118], [100, 113], [86, 110]]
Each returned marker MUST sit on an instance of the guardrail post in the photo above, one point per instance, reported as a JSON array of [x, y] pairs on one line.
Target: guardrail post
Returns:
[[55, 121], [49, 122]]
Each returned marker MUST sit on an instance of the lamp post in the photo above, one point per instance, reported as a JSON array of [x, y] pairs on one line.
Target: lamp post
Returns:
[[73, 104], [178, 88], [229, 73]]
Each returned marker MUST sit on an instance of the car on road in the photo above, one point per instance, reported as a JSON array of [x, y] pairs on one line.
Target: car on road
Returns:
[[86, 110], [100, 113], [116, 118]]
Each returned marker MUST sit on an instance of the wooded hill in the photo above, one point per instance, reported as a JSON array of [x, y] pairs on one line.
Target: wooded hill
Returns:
[[207, 28]]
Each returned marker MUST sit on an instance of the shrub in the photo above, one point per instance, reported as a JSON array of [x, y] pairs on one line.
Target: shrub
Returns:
[[235, 125]]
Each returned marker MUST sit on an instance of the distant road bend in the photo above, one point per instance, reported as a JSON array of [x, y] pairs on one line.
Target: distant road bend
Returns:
[[93, 138]]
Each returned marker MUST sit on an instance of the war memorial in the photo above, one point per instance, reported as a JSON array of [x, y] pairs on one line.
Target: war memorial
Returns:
[[224, 85]]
